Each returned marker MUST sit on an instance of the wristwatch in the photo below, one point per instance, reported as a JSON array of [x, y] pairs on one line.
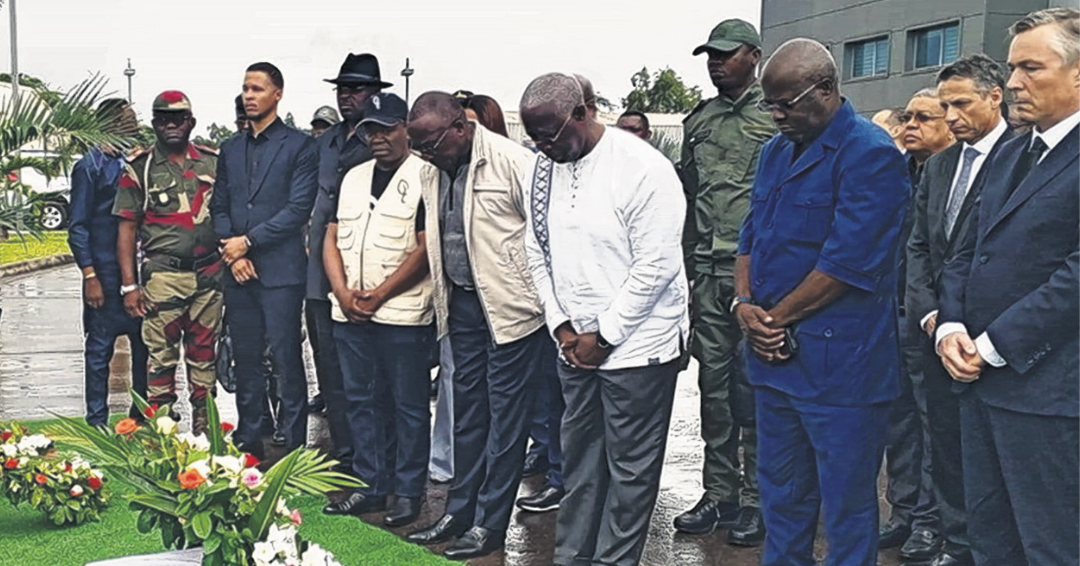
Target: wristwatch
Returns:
[[739, 300], [125, 289], [603, 344]]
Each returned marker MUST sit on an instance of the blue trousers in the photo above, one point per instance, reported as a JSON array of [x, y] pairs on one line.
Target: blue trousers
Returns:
[[386, 395], [819, 459], [491, 413], [548, 407], [101, 327], [260, 316]]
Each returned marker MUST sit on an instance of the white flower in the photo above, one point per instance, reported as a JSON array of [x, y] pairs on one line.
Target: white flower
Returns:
[[231, 464], [281, 508], [252, 478], [9, 450], [78, 463], [196, 442], [33, 444], [263, 555], [165, 425], [317, 556], [202, 466]]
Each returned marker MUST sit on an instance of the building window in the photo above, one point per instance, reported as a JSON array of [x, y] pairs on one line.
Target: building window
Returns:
[[869, 58], [936, 46]]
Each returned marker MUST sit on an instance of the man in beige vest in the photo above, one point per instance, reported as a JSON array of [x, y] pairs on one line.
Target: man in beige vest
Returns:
[[375, 257], [484, 299]]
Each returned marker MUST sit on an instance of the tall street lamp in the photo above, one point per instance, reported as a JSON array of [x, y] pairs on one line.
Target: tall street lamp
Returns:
[[129, 72], [407, 72]]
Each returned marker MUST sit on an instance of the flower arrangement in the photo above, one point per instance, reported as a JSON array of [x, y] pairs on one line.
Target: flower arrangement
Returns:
[[62, 486], [201, 490], [284, 548]]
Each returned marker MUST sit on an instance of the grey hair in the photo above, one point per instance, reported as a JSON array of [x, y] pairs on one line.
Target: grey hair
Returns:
[[982, 70], [563, 91], [1066, 30], [925, 93]]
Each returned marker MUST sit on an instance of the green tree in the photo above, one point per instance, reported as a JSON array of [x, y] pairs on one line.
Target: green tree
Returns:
[[218, 135], [663, 92]]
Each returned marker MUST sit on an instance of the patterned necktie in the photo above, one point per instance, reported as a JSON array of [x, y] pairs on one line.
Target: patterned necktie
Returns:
[[959, 190]]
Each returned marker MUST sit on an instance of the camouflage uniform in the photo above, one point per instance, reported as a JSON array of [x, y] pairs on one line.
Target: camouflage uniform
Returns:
[[721, 142], [175, 229]]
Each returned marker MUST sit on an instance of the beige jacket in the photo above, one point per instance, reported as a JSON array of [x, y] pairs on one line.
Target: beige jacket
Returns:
[[495, 235]]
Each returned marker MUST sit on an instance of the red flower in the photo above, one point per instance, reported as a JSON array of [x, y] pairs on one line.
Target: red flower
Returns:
[[151, 410], [250, 461], [40, 478], [191, 479], [5, 435], [126, 426], [67, 467], [11, 463], [94, 482], [227, 427]]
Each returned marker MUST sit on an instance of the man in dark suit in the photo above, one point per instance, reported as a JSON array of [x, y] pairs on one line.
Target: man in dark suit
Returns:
[[971, 91], [1008, 328], [266, 186]]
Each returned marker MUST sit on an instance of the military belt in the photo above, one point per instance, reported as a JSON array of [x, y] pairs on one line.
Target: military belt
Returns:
[[186, 264]]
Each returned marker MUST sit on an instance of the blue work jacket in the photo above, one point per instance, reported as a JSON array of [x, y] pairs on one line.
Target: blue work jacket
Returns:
[[92, 230], [837, 208]]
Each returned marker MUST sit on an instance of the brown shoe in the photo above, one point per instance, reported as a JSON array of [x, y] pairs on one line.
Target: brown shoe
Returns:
[[198, 418]]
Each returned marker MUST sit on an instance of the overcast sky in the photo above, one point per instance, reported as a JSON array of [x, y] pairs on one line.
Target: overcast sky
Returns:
[[203, 46]]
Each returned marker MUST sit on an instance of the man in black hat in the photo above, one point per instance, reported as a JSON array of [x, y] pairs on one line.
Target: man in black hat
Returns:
[[341, 148]]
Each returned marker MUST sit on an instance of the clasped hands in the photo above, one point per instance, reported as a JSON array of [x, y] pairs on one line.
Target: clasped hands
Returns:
[[580, 350], [960, 357], [763, 332], [359, 305], [233, 251]]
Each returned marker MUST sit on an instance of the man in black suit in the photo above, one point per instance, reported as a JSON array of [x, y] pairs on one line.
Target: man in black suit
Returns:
[[266, 186], [971, 91], [1008, 328]]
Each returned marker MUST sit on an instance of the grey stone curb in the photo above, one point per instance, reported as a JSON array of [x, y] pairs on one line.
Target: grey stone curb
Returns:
[[36, 264]]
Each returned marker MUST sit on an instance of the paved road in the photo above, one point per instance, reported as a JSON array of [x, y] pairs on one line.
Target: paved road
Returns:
[[41, 374]]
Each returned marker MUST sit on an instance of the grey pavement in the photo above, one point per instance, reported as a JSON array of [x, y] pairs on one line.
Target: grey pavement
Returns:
[[41, 375]]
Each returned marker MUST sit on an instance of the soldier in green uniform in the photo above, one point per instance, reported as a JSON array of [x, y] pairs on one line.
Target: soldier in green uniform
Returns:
[[164, 200], [721, 141]]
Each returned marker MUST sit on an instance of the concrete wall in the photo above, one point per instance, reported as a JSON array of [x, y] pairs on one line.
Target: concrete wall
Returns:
[[835, 23]]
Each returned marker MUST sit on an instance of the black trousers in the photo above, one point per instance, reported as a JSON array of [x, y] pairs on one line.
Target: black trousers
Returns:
[[258, 316], [320, 329], [1022, 485], [492, 411], [946, 456]]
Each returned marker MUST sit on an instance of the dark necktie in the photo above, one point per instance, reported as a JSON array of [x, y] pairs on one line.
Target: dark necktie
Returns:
[[1031, 159]]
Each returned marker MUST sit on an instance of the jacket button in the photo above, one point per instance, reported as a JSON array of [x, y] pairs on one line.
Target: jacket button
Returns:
[[250, 206], [759, 281], [984, 258], [828, 333]]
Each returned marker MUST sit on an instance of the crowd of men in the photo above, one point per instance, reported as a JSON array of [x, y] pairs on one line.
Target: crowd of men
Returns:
[[852, 293]]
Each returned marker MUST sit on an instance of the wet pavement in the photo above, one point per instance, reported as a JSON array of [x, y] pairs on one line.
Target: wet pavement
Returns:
[[41, 375]]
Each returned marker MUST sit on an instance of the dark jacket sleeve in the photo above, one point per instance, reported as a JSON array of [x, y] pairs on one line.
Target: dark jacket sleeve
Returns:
[[219, 204], [920, 299], [292, 218], [82, 211]]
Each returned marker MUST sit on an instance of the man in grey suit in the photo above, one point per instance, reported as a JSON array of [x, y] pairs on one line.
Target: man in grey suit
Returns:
[[1008, 331], [971, 91]]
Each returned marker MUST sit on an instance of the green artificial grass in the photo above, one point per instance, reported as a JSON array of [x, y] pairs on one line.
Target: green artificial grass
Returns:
[[28, 538], [15, 249]]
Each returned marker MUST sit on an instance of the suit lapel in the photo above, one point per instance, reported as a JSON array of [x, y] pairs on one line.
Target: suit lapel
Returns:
[[1062, 156], [976, 189], [275, 140], [939, 195]]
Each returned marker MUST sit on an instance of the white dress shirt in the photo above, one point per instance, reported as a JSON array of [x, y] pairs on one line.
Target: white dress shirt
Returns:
[[614, 222], [983, 344]]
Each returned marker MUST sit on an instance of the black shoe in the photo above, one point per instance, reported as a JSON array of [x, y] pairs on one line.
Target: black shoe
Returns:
[[706, 516], [446, 528], [953, 558], [535, 463], [343, 468], [545, 500], [356, 504], [476, 541], [316, 405], [892, 534], [278, 438], [922, 545], [750, 529], [404, 511]]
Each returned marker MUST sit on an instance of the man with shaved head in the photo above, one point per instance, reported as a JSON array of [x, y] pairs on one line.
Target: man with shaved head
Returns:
[[486, 303], [604, 234], [815, 280]]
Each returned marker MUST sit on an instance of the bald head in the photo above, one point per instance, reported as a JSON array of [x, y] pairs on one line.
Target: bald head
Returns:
[[803, 58], [554, 91], [442, 105]]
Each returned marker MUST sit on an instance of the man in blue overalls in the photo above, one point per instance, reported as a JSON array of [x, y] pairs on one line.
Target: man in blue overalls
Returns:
[[815, 281]]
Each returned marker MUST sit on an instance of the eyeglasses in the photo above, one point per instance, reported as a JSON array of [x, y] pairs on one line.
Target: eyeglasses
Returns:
[[785, 107], [920, 117], [554, 138], [430, 149]]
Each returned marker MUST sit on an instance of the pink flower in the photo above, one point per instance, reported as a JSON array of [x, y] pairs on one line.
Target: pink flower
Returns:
[[251, 478], [295, 517], [76, 490]]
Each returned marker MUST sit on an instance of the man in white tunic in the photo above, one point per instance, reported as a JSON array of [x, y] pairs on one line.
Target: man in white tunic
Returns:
[[603, 244]]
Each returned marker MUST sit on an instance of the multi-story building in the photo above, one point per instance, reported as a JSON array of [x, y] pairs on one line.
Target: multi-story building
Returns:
[[889, 49]]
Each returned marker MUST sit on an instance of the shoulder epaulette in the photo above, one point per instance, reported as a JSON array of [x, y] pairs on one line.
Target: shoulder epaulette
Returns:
[[137, 153], [205, 149]]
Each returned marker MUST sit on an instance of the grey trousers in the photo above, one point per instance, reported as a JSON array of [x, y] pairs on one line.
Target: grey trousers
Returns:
[[441, 466], [614, 434]]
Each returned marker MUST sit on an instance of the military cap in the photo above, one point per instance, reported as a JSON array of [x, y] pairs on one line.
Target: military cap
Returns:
[[171, 101], [326, 114], [730, 35], [387, 109]]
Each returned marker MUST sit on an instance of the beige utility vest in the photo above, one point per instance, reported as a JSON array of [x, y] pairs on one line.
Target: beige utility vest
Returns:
[[375, 237]]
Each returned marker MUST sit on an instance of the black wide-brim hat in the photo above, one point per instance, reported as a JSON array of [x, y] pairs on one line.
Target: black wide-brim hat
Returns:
[[360, 69]]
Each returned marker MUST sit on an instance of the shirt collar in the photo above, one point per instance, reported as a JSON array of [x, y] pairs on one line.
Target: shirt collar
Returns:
[[161, 154], [750, 96], [269, 131], [1057, 132], [988, 142]]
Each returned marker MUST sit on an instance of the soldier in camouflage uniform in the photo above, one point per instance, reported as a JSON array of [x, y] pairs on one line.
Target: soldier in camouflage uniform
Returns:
[[722, 138], [164, 198]]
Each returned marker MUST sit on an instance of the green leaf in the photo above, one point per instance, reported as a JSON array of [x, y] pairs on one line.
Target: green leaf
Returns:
[[160, 503], [146, 521], [276, 480], [202, 524], [212, 543], [214, 433]]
